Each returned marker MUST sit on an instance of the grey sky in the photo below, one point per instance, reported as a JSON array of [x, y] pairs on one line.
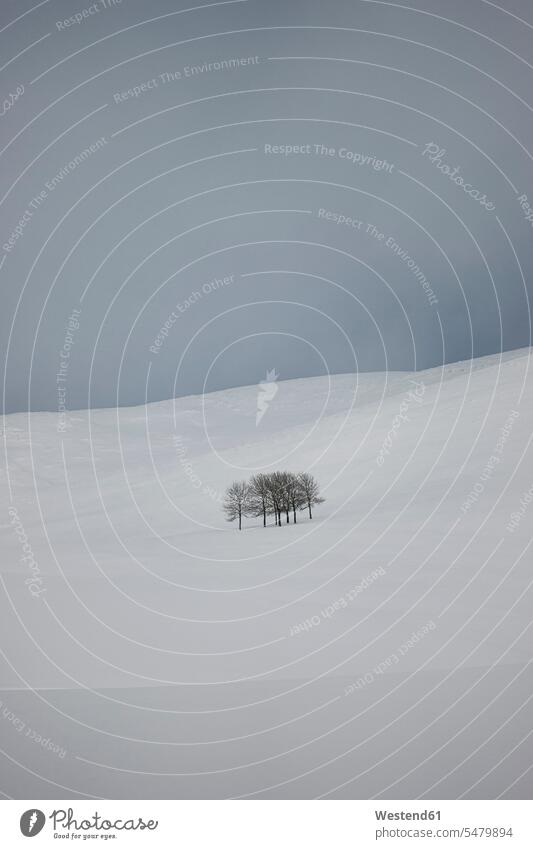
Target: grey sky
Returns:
[[177, 231]]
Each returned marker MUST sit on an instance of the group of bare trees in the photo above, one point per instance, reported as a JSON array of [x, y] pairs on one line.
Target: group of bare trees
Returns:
[[276, 494]]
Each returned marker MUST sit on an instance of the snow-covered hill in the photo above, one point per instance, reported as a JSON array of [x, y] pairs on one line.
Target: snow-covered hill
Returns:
[[170, 655]]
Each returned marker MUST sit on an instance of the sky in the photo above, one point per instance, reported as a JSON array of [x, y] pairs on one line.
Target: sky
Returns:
[[194, 196]]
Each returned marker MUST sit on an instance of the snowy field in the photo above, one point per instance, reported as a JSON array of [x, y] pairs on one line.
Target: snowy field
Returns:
[[381, 649]]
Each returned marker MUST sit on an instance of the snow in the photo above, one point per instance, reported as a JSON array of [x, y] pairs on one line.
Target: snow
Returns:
[[165, 650]]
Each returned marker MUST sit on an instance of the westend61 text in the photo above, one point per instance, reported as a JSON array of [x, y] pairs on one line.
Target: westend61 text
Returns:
[[407, 815]]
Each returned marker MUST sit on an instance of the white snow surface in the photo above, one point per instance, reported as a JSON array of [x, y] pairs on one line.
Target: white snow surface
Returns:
[[165, 651]]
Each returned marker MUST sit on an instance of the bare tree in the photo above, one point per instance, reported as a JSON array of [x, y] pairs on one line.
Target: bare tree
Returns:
[[275, 493], [260, 497], [310, 491], [284, 487], [295, 494], [236, 502], [276, 488]]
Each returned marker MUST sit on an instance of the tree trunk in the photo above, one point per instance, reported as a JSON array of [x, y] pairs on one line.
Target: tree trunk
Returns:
[[310, 514], [240, 521], [294, 514], [288, 520], [264, 517]]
